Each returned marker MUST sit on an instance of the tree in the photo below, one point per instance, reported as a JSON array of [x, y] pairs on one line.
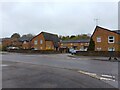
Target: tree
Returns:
[[73, 36], [15, 35], [91, 45], [28, 35]]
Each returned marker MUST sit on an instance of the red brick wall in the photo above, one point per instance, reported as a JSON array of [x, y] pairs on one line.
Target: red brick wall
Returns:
[[104, 45], [44, 45]]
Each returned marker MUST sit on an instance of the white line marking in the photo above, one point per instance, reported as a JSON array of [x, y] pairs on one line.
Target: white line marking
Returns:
[[3, 65], [107, 79], [108, 76], [102, 77]]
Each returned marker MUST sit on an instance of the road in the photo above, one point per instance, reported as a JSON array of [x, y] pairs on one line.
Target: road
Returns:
[[60, 65]]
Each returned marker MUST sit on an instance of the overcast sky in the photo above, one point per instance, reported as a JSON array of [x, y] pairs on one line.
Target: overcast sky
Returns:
[[62, 18]]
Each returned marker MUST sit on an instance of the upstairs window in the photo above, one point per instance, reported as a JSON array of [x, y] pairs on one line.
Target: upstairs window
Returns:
[[98, 39], [111, 39], [35, 42], [41, 41]]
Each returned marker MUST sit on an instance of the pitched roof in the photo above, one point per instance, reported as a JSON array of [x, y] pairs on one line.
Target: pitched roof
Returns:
[[22, 39], [76, 41], [114, 31], [5, 39], [117, 31], [51, 37]]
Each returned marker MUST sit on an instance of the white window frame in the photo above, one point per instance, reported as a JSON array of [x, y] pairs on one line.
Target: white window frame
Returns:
[[110, 49], [98, 39], [111, 39], [99, 48], [35, 42], [41, 41], [35, 48]]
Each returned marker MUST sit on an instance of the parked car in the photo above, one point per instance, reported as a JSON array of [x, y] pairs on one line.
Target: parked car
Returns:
[[12, 48], [73, 51]]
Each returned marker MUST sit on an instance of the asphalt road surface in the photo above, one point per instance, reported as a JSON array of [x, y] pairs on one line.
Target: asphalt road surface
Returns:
[[57, 71]]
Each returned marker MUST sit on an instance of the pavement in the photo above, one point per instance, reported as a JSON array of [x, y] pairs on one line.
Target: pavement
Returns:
[[24, 75], [99, 58], [26, 70]]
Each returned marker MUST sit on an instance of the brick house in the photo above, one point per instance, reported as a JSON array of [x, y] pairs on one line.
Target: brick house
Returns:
[[16, 42], [106, 40], [25, 42], [6, 42], [75, 44], [45, 41]]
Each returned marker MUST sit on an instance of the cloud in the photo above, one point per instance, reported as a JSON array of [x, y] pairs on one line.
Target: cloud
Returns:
[[61, 18]]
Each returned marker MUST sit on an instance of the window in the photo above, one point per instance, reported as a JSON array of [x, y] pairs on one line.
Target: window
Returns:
[[111, 49], [86, 43], [41, 48], [98, 39], [35, 42], [99, 49], [81, 43], [111, 39], [35, 48], [41, 41]]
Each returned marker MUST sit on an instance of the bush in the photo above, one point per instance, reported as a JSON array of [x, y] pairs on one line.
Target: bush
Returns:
[[91, 45], [4, 48]]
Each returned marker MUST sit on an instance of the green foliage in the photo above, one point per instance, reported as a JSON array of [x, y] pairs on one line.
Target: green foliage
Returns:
[[74, 37], [28, 35], [4, 48], [91, 45]]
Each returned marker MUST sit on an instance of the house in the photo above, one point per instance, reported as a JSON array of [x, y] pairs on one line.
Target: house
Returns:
[[81, 45], [6, 42], [16, 42], [106, 40], [45, 41], [0, 43], [25, 42], [11, 42]]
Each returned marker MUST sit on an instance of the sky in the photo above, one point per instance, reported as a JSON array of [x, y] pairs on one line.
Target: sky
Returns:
[[59, 17]]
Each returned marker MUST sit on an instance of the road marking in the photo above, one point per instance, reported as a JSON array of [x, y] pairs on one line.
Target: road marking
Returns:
[[102, 77], [107, 79], [4, 65], [109, 76]]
